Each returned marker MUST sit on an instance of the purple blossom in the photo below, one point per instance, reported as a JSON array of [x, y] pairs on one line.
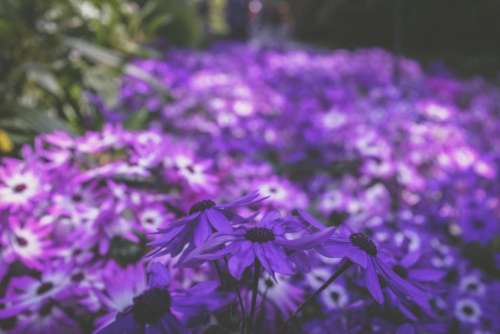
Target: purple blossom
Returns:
[[264, 241], [149, 303], [204, 218]]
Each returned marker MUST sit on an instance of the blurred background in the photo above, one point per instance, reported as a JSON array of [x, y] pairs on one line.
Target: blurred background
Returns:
[[56, 56]]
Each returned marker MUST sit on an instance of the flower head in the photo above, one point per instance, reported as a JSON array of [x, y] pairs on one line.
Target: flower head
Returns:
[[203, 219], [149, 304], [264, 241]]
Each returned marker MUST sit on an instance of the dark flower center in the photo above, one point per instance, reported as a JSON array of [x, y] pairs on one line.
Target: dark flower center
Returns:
[[472, 287], [468, 310], [201, 206], [21, 241], [335, 296], [77, 198], [78, 277], [151, 306], [363, 242], [19, 188], [259, 234], [478, 224], [44, 287], [269, 283], [400, 270]]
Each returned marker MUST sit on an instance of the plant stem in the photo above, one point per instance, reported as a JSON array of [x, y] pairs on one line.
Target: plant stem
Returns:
[[343, 267], [255, 288]]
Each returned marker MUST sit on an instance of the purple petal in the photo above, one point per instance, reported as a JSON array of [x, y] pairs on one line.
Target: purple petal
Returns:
[[201, 231], [309, 240], [123, 324], [278, 259], [308, 218], [372, 282], [218, 220], [241, 260], [425, 275], [410, 259], [249, 199], [157, 275], [261, 255], [344, 249], [203, 288], [269, 217]]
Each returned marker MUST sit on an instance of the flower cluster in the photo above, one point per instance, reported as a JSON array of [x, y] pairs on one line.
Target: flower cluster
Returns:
[[275, 190]]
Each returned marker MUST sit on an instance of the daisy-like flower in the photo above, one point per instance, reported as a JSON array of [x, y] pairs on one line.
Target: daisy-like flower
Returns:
[[28, 293], [153, 217], [280, 294], [204, 218], [143, 301], [29, 241], [20, 184], [334, 296], [361, 250], [264, 241], [468, 311], [182, 166]]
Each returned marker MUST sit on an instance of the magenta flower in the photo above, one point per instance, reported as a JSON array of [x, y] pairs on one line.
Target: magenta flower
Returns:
[[20, 183]]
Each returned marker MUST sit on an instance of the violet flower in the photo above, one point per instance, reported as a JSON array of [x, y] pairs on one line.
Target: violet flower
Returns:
[[152, 306], [264, 241], [361, 250], [193, 230]]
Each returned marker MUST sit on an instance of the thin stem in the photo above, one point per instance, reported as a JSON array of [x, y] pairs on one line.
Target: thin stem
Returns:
[[219, 273], [344, 266], [255, 288], [238, 294]]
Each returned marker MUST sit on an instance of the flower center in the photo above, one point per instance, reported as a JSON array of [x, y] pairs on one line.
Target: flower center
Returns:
[[44, 287], [478, 224], [400, 270], [259, 234], [19, 188], [151, 306], [21, 241], [363, 242], [468, 310], [201, 206]]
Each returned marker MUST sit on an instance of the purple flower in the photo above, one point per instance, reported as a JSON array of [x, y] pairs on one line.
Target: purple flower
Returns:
[[264, 241], [20, 183], [29, 241], [361, 250], [149, 303], [204, 218]]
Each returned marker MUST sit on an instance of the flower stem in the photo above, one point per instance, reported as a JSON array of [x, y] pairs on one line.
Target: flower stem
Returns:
[[255, 287], [345, 264]]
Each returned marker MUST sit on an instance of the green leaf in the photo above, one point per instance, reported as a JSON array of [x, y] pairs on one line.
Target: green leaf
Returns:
[[40, 120], [138, 120]]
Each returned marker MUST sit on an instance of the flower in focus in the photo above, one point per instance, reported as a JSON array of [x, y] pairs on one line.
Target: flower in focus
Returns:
[[193, 230], [264, 241], [361, 250]]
